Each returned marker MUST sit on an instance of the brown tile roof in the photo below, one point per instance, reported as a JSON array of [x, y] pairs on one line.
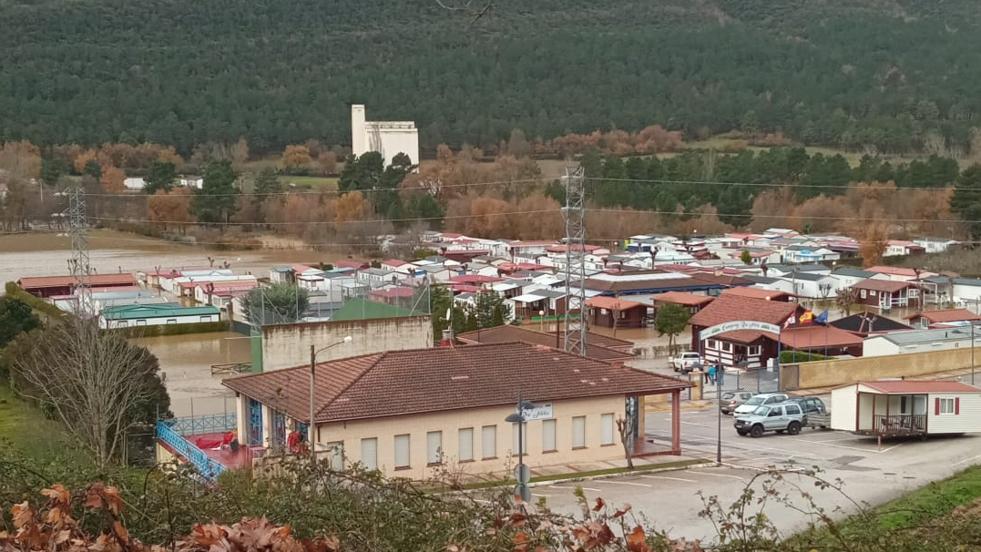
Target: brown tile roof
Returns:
[[901, 387], [728, 308], [683, 298], [948, 315], [888, 286], [398, 383], [598, 346], [35, 282], [817, 337], [611, 303], [758, 293]]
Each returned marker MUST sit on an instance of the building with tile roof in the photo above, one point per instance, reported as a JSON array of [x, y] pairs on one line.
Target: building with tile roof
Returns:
[[404, 412], [742, 348]]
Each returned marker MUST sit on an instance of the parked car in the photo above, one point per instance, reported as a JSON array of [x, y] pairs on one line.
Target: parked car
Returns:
[[816, 414], [732, 399], [759, 400], [685, 362], [773, 417]]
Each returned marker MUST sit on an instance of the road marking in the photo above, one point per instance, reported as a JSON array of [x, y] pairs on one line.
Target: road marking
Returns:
[[719, 475], [542, 494], [628, 483], [967, 460], [583, 488], [668, 478], [890, 448]]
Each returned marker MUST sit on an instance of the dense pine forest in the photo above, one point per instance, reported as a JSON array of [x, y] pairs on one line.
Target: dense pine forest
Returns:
[[871, 75]]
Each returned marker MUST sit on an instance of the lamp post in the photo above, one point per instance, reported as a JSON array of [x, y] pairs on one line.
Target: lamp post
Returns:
[[541, 320], [311, 431], [718, 444], [518, 417]]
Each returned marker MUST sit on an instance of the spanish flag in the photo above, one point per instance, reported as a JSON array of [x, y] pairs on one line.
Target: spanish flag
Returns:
[[807, 317]]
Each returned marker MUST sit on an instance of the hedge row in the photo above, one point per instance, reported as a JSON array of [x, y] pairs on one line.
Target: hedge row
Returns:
[[39, 305], [173, 329], [800, 356]]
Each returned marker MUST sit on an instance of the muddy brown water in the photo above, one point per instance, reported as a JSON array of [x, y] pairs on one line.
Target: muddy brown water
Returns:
[[185, 365]]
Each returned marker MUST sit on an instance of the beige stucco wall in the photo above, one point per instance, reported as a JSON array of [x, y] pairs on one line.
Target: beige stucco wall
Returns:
[[288, 345], [450, 423], [831, 373]]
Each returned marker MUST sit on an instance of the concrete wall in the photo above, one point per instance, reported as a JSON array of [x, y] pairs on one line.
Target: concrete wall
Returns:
[[287, 345], [832, 373], [504, 455]]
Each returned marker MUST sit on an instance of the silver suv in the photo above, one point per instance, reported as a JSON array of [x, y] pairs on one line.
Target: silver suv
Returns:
[[759, 400], [771, 417]]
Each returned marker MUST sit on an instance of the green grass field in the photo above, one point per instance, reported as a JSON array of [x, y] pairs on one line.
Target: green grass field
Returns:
[[317, 182], [27, 430]]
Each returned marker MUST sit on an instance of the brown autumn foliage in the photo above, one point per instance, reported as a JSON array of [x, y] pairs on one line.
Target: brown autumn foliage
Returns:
[[93, 521], [20, 160], [295, 155], [170, 209], [873, 244], [450, 175], [651, 139], [112, 179]]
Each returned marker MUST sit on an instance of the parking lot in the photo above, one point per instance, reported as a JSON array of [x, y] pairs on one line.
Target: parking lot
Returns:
[[669, 499]]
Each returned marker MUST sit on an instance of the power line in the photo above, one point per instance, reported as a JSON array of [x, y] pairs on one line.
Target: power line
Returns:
[[639, 212], [850, 186], [325, 192]]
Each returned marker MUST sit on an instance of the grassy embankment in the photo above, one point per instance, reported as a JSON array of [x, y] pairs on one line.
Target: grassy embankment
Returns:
[[931, 512]]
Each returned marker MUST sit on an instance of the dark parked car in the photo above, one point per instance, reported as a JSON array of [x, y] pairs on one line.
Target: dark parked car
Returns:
[[816, 414], [732, 399]]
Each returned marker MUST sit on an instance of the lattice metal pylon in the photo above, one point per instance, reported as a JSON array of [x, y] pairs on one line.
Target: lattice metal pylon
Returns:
[[574, 214], [79, 264]]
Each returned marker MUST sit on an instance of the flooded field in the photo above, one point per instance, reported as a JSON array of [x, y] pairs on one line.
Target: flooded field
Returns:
[[47, 254], [185, 362]]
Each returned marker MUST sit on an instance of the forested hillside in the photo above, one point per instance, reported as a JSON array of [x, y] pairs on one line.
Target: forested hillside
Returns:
[[890, 74]]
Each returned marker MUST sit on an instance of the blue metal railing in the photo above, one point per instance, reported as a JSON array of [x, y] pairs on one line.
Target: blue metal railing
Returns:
[[199, 425], [208, 468]]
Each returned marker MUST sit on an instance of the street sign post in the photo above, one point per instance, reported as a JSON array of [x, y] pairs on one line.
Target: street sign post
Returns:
[[522, 474], [537, 411]]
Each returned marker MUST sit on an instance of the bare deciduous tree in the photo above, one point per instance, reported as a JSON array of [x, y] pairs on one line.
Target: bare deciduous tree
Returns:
[[96, 383], [625, 439]]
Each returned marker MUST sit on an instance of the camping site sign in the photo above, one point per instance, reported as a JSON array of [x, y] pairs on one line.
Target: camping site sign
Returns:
[[736, 325]]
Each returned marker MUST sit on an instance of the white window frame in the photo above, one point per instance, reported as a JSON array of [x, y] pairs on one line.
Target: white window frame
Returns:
[[434, 448], [726, 347], [405, 463], [862, 293], [947, 407], [514, 439], [369, 453], [335, 454], [578, 432], [549, 433], [465, 444], [712, 344], [608, 429], [755, 350], [488, 440]]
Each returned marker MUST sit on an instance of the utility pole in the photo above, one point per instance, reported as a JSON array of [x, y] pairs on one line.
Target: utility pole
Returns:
[[574, 214]]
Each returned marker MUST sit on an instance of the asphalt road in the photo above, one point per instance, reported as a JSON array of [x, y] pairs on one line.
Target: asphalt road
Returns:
[[669, 500]]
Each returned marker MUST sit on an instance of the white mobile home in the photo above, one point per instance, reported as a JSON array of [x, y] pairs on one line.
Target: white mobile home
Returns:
[[906, 407]]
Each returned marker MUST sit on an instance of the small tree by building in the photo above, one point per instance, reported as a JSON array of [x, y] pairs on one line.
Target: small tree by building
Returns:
[[845, 299], [745, 257], [671, 320], [275, 304]]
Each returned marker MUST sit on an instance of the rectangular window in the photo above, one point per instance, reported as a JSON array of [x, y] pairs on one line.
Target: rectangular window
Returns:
[[726, 347], [712, 344], [141, 322], [171, 320], [336, 454], [514, 439], [579, 432], [946, 406], [465, 449], [401, 451], [755, 350], [369, 453], [607, 431], [871, 293], [861, 293], [206, 318], [434, 447], [548, 436], [488, 441]]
